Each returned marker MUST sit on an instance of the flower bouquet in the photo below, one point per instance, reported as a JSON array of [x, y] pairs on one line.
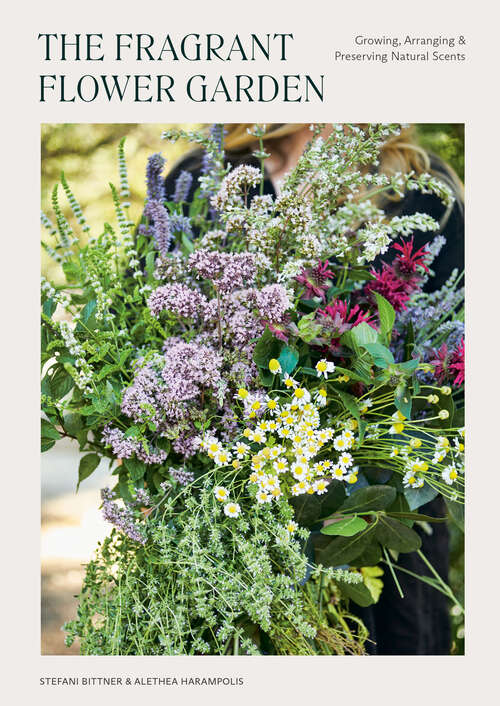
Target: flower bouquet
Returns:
[[275, 408]]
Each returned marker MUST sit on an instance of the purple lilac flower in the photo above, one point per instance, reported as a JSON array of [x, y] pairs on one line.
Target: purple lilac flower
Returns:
[[227, 271], [188, 368], [182, 476], [272, 302], [178, 299], [121, 517], [159, 226], [154, 179], [182, 186], [125, 448]]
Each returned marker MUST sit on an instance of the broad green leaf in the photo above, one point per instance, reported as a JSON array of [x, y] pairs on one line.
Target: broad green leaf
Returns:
[[309, 509], [73, 423], [363, 333], [396, 535], [386, 315], [371, 580], [49, 307], [267, 347], [370, 556], [87, 466], [357, 592], [48, 430], [135, 468], [382, 356], [288, 359], [403, 400], [342, 550], [419, 496], [457, 512], [408, 366], [347, 527], [373, 497]]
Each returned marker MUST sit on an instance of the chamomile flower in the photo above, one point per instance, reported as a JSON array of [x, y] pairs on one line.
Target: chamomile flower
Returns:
[[276, 493], [419, 466], [222, 458], [272, 405], [340, 443], [324, 368], [299, 470], [394, 452], [232, 509], [259, 437], [320, 486], [213, 446], [415, 443], [289, 381], [242, 394], [345, 460], [241, 449], [221, 493], [320, 397], [449, 475], [301, 396], [263, 497], [410, 480], [275, 367], [280, 465], [292, 527], [351, 478], [338, 472], [300, 488]]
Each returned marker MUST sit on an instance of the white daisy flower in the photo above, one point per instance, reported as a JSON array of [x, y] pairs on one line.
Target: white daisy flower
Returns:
[[320, 486], [221, 493], [410, 480], [449, 475], [324, 368], [232, 509]]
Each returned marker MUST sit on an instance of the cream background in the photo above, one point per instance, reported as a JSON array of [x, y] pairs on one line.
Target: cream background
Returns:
[[465, 92]]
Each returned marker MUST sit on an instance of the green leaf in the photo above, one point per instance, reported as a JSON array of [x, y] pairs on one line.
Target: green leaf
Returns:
[[342, 550], [373, 497], [386, 315], [382, 356], [135, 468], [371, 580], [363, 333], [288, 359], [309, 509], [419, 496], [357, 592], [350, 403], [408, 366], [87, 466], [403, 400], [48, 430], [457, 512], [267, 347], [308, 328], [415, 517], [347, 527], [370, 556], [396, 535], [61, 383], [46, 444], [73, 423], [49, 307], [353, 375]]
